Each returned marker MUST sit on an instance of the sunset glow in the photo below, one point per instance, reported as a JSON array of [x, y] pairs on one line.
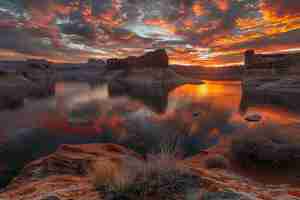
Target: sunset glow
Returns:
[[194, 32]]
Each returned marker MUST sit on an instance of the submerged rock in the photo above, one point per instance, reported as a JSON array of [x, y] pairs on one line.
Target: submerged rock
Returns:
[[253, 118]]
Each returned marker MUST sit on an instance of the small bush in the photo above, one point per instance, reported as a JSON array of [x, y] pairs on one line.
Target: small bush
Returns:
[[267, 147], [159, 178], [111, 175], [151, 139], [216, 162]]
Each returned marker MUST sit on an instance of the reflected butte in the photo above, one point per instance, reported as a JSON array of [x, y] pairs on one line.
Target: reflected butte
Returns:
[[194, 32]]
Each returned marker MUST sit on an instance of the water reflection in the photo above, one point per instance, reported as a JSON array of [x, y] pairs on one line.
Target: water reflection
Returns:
[[251, 99], [272, 109], [217, 93], [81, 114], [156, 98]]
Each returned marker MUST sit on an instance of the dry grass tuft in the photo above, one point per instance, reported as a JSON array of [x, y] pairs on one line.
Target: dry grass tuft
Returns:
[[160, 177], [114, 173]]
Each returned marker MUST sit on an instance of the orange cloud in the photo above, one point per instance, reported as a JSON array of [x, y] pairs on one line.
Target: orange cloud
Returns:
[[223, 5], [199, 9], [282, 9], [161, 23]]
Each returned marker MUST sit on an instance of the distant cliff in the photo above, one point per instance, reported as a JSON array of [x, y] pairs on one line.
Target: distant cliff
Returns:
[[272, 78], [157, 60], [268, 61]]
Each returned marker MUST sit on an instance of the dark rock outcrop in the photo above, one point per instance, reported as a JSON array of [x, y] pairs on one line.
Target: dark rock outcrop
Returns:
[[93, 61], [276, 61], [13, 90], [272, 79], [41, 74], [157, 60], [149, 70], [32, 78]]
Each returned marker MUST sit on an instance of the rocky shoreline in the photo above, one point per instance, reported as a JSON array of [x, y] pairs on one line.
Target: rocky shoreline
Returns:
[[37, 78], [283, 91], [272, 78]]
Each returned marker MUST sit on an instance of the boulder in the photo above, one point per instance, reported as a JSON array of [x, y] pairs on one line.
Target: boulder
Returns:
[[253, 118]]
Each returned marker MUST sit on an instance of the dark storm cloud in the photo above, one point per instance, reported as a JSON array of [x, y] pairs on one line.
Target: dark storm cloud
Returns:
[[290, 39], [42, 5], [23, 41], [99, 6], [204, 32], [81, 29]]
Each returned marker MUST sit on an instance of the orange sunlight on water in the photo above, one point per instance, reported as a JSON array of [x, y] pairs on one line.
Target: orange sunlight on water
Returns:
[[225, 95]]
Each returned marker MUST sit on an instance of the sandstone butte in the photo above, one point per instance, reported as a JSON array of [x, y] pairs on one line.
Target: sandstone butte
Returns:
[[64, 174]]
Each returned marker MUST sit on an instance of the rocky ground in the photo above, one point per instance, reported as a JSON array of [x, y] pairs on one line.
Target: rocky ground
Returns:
[[66, 175]]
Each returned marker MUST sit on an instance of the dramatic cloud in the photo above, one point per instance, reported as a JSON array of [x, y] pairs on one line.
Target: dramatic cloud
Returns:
[[198, 32]]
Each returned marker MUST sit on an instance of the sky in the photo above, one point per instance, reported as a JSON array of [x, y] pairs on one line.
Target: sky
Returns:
[[194, 32]]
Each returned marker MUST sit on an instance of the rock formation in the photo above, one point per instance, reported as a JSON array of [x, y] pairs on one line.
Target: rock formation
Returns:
[[272, 78], [93, 61], [260, 61], [149, 70], [157, 60]]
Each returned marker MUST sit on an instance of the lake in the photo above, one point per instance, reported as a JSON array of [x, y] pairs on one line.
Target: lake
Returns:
[[206, 114]]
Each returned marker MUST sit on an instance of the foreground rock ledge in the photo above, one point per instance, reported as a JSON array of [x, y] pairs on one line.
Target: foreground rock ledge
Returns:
[[64, 174]]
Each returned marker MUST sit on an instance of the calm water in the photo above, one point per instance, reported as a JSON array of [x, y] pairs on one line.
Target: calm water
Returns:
[[78, 114]]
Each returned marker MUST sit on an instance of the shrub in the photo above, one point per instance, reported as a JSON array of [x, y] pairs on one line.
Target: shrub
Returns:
[[267, 147], [114, 175], [148, 138], [159, 178]]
